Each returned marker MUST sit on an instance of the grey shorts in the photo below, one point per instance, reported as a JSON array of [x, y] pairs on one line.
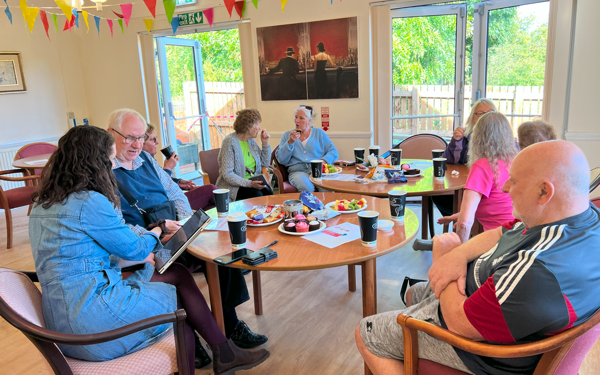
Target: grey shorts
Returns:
[[383, 337]]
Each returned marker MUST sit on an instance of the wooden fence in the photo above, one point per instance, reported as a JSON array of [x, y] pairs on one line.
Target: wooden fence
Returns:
[[439, 100]]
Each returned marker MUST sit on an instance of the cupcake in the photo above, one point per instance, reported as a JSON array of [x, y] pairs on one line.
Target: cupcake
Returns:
[[311, 218], [301, 227], [313, 225], [287, 221], [290, 227], [299, 217]]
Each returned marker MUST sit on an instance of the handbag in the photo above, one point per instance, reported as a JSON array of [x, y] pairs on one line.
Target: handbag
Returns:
[[165, 211]]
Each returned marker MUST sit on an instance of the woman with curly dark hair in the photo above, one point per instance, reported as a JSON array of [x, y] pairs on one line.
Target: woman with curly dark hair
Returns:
[[80, 242]]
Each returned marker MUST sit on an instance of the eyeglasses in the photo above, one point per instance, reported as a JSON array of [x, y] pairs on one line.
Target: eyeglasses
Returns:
[[308, 107], [153, 140], [481, 113], [131, 139]]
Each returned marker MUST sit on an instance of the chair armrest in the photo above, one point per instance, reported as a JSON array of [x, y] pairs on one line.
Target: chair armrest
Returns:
[[489, 350], [18, 179], [278, 178], [205, 178]]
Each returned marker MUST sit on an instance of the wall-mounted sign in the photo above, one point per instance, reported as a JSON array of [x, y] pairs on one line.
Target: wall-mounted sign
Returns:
[[193, 18], [325, 118], [185, 2]]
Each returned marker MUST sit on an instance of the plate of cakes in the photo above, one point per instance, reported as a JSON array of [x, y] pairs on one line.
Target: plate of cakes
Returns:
[[301, 225], [262, 216]]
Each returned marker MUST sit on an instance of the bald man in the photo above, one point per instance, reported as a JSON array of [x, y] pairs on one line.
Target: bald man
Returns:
[[525, 281]]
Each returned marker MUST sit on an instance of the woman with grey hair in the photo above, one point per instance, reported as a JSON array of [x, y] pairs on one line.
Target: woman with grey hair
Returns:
[[491, 152], [303, 144], [241, 158]]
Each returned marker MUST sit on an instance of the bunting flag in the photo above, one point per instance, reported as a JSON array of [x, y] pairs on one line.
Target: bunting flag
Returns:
[[110, 26], [283, 2], [175, 24], [255, 2], [68, 24], [85, 18], [126, 9], [117, 14], [65, 8], [169, 9], [151, 4], [148, 23], [29, 14], [229, 5], [76, 16], [97, 21], [44, 19], [54, 18], [8, 13], [240, 7], [120, 21], [209, 14]]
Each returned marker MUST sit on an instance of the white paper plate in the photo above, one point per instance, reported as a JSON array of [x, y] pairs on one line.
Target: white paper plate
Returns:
[[280, 228], [346, 212], [265, 224], [338, 172]]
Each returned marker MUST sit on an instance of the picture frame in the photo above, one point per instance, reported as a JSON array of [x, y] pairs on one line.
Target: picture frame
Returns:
[[12, 79]]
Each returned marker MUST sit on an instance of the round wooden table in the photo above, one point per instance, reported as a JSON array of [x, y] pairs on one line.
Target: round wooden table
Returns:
[[28, 163], [425, 185], [297, 254]]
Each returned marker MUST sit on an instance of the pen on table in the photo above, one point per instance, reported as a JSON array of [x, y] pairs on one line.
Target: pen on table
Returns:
[[272, 243]]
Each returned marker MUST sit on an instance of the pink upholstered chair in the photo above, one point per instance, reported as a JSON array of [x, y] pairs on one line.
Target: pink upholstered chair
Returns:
[[562, 353], [21, 306], [17, 197], [281, 174], [209, 165], [34, 149]]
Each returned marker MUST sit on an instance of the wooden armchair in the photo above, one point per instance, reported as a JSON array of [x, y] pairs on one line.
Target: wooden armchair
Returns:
[[17, 197], [562, 353], [281, 175], [21, 306]]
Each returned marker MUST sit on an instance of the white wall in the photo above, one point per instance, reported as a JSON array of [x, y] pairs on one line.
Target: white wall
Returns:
[[52, 71]]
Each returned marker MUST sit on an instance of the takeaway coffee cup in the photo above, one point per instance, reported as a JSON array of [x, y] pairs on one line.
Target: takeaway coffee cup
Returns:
[[439, 167], [316, 167], [237, 229], [437, 154], [396, 157], [222, 201], [167, 151], [397, 204], [367, 221], [359, 155], [374, 150]]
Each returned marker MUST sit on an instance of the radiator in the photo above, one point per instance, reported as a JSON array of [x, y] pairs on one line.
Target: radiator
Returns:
[[6, 158]]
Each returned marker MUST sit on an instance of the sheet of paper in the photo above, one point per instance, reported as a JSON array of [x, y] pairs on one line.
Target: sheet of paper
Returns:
[[336, 236], [36, 162], [421, 164], [340, 177], [219, 224]]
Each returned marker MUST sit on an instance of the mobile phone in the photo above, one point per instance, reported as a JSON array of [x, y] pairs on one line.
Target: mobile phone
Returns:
[[232, 257]]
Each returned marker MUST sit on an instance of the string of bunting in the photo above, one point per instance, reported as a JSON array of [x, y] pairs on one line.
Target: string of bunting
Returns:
[[73, 15]]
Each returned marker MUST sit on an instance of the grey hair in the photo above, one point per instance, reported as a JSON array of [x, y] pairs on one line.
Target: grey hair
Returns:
[[535, 131], [312, 116], [469, 123], [493, 140], [115, 120]]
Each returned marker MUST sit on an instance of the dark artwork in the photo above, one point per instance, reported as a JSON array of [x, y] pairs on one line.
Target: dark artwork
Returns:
[[313, 60]]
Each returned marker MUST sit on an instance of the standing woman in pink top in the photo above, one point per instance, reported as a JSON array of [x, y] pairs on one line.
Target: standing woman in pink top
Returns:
[[491, 152]]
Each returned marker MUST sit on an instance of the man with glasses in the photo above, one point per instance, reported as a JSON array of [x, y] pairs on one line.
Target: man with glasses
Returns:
[[151, 186]]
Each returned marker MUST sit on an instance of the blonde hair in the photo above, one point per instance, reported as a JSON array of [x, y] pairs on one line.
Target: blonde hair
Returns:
[[469, 122], [492, 140], [150, 128], [535, 131]]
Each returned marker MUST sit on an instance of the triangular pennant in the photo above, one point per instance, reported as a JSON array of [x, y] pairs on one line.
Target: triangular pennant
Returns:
[[44, 19], [169, 9], [65, 8], [239, 8], [32, 13], [8, 13], [151, 4], [85, 18], [69, 25], [120, 21], [126, 9], [117, 14], [229, 5], [97, 21], [148, 23], [283, 2], [110, 26], [23, 6], [54, 18], [76, 16], [255, 2], [209, 14], [175, 24]]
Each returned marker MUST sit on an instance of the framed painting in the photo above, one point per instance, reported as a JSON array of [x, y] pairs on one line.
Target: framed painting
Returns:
[[11, 73]]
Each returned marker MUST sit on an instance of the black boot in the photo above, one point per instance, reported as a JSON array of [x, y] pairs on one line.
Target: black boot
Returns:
[[228, 358], [201, 357], [243, 337]]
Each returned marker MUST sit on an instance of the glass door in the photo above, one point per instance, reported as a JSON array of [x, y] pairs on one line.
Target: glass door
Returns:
[[428, 69], [509, 56], [183, 102]]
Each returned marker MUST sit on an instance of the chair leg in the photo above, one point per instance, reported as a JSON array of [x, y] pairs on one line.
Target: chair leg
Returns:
[[9, 228], [352, 277], [257, 287], [29, 210], [430, 213]]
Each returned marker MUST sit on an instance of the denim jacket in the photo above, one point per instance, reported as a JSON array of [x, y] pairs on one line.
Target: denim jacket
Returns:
[[75, 247]]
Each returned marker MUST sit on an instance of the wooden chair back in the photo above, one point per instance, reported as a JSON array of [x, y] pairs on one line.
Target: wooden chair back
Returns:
[[209, 164], [419, 146], [281, 175], [34, 149], [594, 179]]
